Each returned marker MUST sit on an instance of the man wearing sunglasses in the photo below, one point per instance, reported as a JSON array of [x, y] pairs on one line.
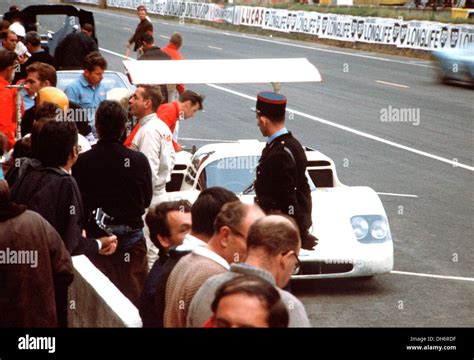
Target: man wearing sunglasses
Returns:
[[273, 245]]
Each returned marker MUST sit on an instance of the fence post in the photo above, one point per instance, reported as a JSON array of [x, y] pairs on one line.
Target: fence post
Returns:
[[102, 4]]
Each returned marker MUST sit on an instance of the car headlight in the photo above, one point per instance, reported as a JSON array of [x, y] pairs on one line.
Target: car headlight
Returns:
[[370, 228], [379, 229], [360, 227]]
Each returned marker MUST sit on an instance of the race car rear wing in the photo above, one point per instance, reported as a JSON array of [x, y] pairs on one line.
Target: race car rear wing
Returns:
[[233, 71]]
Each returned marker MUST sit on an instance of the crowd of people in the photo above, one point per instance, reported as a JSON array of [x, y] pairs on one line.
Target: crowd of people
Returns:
[[215, 263]]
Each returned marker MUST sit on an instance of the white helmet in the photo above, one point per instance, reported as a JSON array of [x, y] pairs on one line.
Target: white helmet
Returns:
[[18, 29]]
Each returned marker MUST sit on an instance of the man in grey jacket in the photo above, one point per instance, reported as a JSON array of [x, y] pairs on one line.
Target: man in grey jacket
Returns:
[[273, 244]]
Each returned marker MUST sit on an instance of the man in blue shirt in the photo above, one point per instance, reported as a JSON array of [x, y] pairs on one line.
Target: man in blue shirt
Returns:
[[87, 90]]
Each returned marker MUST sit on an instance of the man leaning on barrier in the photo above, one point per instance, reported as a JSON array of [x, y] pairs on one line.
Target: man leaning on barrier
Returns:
[[118, 180]]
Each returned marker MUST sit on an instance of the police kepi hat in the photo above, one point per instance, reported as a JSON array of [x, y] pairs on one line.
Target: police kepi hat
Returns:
[[271, 104]]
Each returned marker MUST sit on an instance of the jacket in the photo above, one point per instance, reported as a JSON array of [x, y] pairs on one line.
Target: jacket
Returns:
[[40, 56], [8, 112], [154, 139], [123, 192], [54, 194], [28, 291], [281, 182], [72, 50], [172, 51], [200, 307], [142, 27]]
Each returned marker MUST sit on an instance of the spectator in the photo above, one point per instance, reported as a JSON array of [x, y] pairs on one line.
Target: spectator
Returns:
[[203, 213], [38, 76], [24, 149], [118, 180], [71, 52], [7, 97], [144, 26], [273, 245], [30, 293], [185, 108], [227, 245], [169, 223], [172, 49], [4, 25], [9, 41], [153, 52], [46, 186], [12, 14], [154, 140], [247, 302], [33, 44], [38, 54], [87, 90], [150, 50], [20, 47]]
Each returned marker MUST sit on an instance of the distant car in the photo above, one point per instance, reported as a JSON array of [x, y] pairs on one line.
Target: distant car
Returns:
[[111, 80], [456, 64], [349, 221]]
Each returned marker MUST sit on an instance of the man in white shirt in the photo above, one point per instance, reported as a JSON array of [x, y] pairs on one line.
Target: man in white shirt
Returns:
[[154, 139]]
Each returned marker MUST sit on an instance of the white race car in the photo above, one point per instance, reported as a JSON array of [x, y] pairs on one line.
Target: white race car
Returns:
[[349, 221]]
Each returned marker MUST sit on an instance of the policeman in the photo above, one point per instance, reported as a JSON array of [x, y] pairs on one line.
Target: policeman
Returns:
[[281, 183]]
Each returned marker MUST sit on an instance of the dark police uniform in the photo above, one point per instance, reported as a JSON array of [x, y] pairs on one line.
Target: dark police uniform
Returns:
[[281, 182]]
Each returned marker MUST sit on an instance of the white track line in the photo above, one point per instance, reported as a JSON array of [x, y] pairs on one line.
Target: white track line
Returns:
[[209, 140], [391, 84], [214, 47], [399, 195], [116, 54], [432, 276]]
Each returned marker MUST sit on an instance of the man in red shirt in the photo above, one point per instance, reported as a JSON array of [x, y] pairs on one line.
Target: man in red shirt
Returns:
[[172, 49], [188, 104], [8, 61]]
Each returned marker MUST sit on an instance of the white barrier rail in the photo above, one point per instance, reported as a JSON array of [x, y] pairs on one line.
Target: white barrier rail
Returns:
[[422, 35]]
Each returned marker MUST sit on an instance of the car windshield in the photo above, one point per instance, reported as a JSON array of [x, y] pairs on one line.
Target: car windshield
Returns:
[[234, 173], [110, 81]]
